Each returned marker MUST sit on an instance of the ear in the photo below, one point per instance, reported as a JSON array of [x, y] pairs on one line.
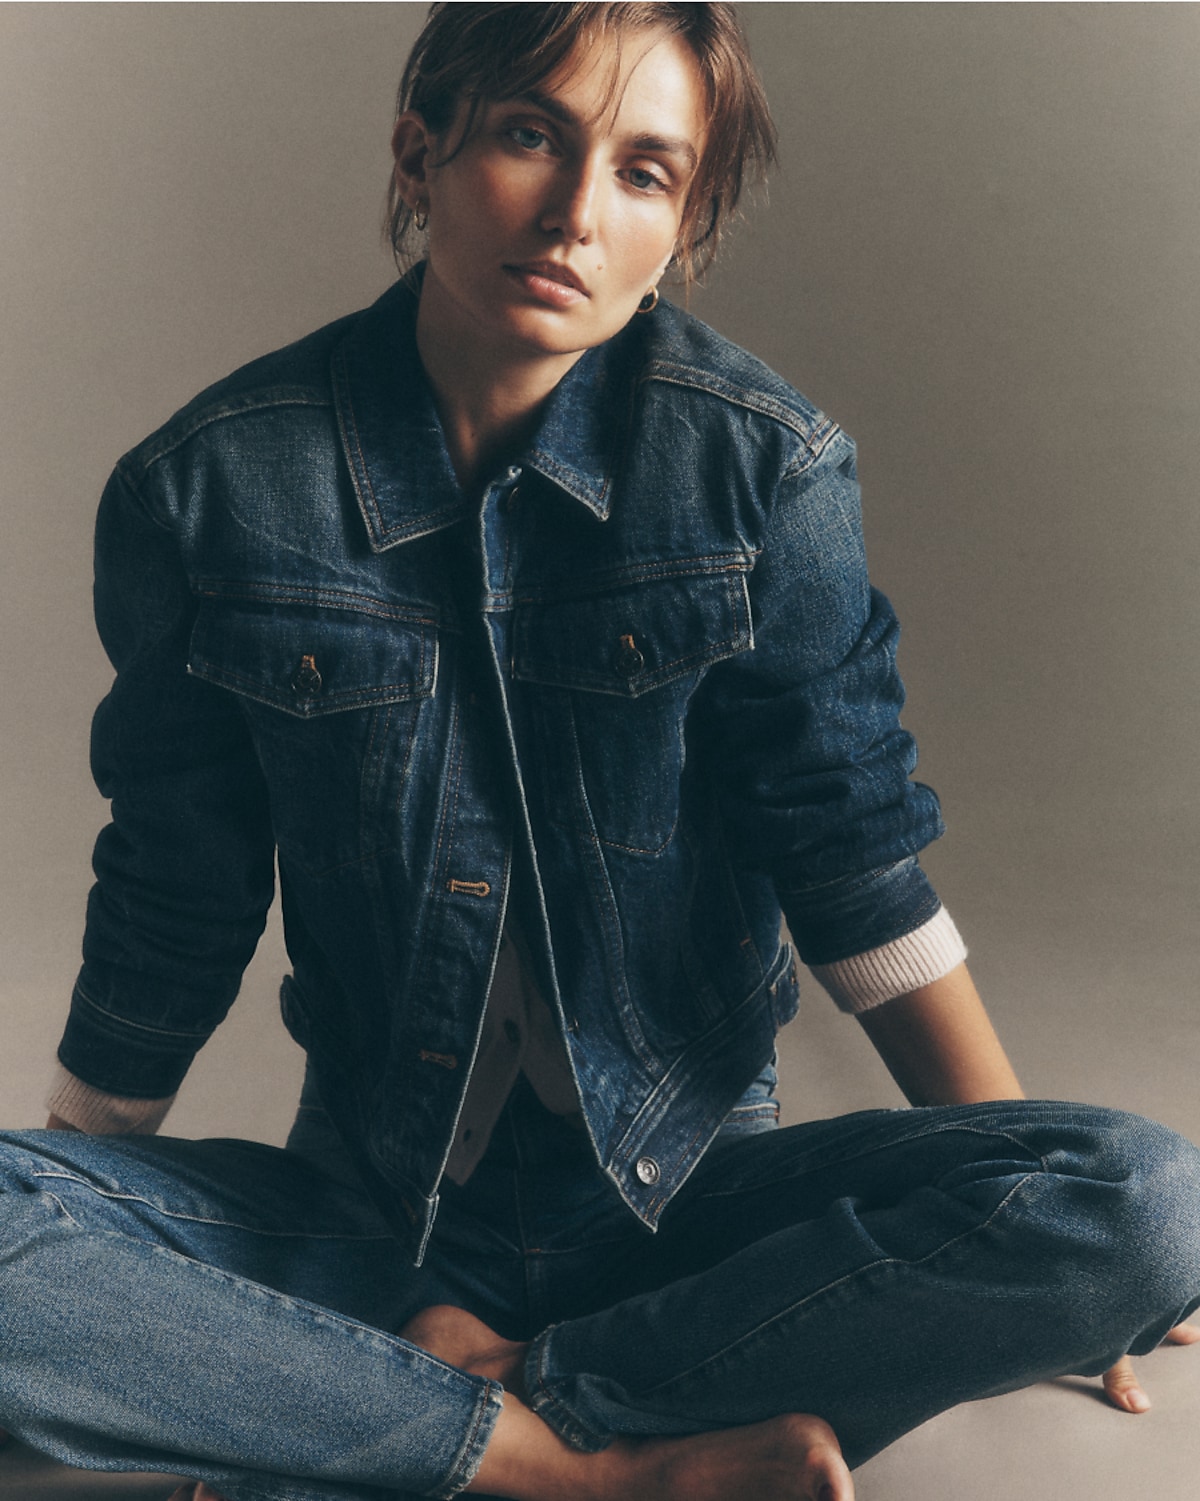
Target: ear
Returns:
[[671, 260], [412, 143]]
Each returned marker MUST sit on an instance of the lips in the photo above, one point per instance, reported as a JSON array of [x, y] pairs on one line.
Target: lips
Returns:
[[552, 271]]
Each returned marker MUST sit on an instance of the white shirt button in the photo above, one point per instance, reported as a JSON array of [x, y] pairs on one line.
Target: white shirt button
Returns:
[[647, 1170]]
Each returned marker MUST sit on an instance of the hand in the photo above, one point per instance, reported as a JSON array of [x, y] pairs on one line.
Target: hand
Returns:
[[1121, 1385]]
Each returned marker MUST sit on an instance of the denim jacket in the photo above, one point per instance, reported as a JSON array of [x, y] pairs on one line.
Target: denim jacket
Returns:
[[638, 691]]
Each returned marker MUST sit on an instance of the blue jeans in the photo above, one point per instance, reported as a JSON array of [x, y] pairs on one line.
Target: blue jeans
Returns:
[[225, 1310]]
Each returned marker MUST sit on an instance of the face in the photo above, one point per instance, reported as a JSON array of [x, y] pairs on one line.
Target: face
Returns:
[[563, 207]]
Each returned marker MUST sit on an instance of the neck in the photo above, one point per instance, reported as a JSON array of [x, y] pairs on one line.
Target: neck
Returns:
[[489, 398]]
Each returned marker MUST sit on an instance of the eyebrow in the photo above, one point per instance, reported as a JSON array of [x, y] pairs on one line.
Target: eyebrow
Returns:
[[646, 141]]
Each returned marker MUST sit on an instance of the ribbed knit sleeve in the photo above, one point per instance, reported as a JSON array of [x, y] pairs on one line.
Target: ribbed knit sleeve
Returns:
[[881, 974], [101, 1114]]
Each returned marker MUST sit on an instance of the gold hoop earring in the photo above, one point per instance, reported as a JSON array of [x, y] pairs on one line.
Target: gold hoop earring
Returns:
[[649, 302], [420, 218]]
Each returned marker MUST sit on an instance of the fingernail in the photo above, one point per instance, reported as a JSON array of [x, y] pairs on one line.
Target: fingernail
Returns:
[[1139, 1401]]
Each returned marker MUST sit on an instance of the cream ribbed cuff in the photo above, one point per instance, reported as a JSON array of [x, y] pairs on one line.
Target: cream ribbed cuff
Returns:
[[867, 980], [101, 1114]]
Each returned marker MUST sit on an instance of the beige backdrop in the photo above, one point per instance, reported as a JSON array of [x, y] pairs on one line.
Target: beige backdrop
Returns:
[[980, 255]]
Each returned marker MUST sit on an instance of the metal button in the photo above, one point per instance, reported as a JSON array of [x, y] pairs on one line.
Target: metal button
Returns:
[[647, 1170], [307, 681], [629, 659]]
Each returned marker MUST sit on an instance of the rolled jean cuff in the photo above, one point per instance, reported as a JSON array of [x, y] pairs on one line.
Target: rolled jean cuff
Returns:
[[551, 1408], [479, 1433]]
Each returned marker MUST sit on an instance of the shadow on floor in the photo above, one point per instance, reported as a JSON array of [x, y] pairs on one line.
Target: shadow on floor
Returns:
[[26, 1476]]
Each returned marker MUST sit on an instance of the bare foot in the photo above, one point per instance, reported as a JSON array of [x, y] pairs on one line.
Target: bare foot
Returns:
[[790, 1458], [462, 1340]]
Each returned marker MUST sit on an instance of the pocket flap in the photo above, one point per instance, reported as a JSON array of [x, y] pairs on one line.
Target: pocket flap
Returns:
[[629, 641], [308, 661]]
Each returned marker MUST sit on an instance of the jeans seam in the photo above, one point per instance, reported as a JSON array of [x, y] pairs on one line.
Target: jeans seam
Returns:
[[474, 1445], [194, 1219], [552, 1409], [742, 1187], [62, 1208], [840, 1282]]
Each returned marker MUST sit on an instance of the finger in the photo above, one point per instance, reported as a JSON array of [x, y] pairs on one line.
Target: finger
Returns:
[[1183, 1334], [1123, 1389]]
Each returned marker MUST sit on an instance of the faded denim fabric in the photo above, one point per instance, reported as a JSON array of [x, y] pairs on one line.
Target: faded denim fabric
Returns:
[[639, 690], [226, 1310]]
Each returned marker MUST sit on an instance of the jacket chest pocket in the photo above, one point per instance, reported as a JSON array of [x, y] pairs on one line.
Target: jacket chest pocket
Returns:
[[331, 697], [611, 676]]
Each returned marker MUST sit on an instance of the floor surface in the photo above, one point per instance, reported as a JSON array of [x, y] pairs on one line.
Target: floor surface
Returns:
[[1058, 1439], [25, 1476]]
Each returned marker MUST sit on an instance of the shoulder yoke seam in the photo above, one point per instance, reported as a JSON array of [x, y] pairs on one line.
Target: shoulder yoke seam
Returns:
[[178, 431], [815, 438]]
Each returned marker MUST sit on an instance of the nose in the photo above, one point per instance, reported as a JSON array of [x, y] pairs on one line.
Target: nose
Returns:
[[573, 208]]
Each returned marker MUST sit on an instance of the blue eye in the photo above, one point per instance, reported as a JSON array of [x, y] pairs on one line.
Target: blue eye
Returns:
[[645, 181], [527, 137]]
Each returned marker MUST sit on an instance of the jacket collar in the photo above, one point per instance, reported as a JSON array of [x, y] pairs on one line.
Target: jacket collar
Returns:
[[393, 441]]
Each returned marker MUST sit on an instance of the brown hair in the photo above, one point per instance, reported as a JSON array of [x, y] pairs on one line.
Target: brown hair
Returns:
[[477, 53]]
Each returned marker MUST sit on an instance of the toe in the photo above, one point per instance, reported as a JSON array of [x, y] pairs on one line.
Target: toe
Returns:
[[1123, 1389]]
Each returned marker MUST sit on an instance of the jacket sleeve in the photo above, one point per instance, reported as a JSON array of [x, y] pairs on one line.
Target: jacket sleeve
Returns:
[[185, 869], [812, 766]]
